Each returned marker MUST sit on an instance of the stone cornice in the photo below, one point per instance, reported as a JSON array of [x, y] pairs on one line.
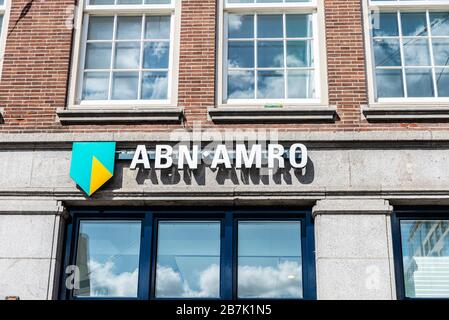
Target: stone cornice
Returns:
[[332, 139]]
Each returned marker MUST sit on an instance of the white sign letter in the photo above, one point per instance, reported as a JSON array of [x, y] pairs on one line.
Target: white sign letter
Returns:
[[163, 152], [221, 156], [276, 152], [304, 156], [242, 158], [140, 157], [184, 154]]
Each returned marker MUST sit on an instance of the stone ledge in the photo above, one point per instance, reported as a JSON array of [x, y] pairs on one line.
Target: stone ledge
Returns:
[[112, 116], [30, 206], [379, 113], [352, 206], [303, 114]]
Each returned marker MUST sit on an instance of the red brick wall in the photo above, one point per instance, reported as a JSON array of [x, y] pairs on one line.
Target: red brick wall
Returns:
[[37, 63]]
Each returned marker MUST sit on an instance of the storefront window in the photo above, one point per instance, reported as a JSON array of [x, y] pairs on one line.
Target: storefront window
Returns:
[[108, 258], [190, 255], [269, 260], [188, 260], [425, 250]]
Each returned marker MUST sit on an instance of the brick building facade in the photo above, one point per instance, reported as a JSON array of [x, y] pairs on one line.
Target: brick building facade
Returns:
[[377, 158]]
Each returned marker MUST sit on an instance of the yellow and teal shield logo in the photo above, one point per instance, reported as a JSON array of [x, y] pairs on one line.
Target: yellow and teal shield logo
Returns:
[[92, 164]]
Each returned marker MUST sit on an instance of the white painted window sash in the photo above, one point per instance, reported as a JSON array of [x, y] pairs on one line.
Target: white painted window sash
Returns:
[[272, 8], [422, 6], [86, 10]]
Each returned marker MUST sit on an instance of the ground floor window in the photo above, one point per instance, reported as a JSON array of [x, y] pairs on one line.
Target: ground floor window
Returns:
[[422, 253], [189, 254]]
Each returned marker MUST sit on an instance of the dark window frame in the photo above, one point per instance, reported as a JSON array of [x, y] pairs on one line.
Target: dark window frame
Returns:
[[228, 218], [410, 213]]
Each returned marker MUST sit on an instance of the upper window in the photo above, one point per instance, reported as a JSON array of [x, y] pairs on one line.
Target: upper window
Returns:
[[126, 52], [410, 46], [270, 51]]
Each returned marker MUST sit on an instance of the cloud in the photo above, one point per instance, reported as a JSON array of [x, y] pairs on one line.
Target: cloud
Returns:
[[281, 281], [235, 22], [169, 283], [155, 87], [105, 282], [241, 85]]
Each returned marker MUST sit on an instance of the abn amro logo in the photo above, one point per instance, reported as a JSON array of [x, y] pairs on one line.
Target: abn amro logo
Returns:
[[92, 164]]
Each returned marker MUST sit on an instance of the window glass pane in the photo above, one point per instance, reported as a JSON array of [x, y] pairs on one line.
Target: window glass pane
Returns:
[[419, 82], [387, 52], [269, 260], [130, 51], [416, 52], [301, 84], [270, 85], [385, 24], [127, 55], [270, 54], [157, 1], [299, 53], [98, 2], [100, 28], [98, 55], [241, 54], [389, 83], [129, 1], [298, 25], [441, 51], [442, 77], [425, 249], [129, 28], [124, 85], [154, 85], [156, 55], [240, 26], [439, 23], [241, 84], [414, 24], [269, 26], [188, 260], [157, 27], [108, 258], [95, 86], [281, 44]]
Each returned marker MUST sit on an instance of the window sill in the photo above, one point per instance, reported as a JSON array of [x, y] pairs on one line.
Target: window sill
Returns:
[[296, 114], [391, 113], [172, 115]]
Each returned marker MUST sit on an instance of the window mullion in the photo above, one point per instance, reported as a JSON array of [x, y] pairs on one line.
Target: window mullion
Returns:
[[432, 58], [401, 49], [111, 73], [142, 48], [284, 30], [255, 57]]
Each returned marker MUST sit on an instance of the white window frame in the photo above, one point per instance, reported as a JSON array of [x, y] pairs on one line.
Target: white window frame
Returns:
[[5, 10], [396, 6], [79, 50], [316, 8]]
